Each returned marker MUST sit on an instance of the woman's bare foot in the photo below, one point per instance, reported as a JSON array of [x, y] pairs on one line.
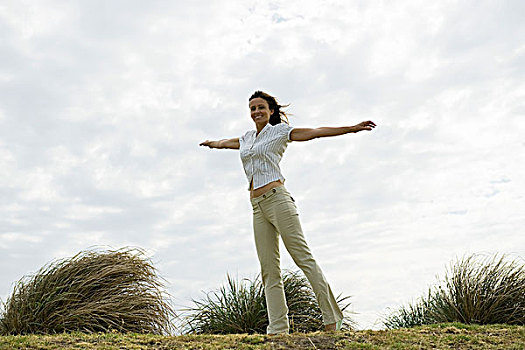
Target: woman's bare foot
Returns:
[[329, 327]]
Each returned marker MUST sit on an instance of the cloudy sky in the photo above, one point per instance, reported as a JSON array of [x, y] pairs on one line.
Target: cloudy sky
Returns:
[[103, 105]]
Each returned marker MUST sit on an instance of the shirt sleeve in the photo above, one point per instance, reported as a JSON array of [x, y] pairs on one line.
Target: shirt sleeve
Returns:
[[286, 131]]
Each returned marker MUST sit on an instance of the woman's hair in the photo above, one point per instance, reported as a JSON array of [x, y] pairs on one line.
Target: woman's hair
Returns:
[[277, 116]]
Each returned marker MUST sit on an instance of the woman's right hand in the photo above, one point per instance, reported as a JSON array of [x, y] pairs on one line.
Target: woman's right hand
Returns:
[[206, 143]]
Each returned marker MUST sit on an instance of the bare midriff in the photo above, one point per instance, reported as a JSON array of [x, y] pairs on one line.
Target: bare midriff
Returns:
[[262, 190]]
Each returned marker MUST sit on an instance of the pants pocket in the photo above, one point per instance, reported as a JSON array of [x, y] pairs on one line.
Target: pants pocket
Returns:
[[286, 204]]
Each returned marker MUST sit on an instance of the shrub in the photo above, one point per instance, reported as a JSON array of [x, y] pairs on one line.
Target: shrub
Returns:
[[241, 308], [90, 292], [476, 289]]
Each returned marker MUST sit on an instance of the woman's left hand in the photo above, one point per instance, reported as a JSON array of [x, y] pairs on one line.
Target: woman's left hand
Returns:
[[368, 125]]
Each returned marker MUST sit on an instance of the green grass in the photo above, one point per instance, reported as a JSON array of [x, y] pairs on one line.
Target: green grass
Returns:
[[240, 307], [440, 336]]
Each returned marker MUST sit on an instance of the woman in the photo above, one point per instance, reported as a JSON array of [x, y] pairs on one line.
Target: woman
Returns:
[[274, 210]]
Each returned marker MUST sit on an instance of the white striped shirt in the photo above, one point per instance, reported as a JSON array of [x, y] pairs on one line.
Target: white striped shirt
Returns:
[[262, 154]]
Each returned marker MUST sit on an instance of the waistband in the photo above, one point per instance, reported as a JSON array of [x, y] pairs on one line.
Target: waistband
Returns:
[[268, 194]]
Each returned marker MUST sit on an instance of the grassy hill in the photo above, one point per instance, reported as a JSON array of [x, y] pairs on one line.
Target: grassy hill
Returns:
[[442, 336]]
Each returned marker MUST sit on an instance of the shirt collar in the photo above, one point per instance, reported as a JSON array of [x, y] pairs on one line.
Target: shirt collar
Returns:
[[263, 130]]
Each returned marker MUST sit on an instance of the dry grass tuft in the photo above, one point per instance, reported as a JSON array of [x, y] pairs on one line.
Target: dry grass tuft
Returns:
[[476, 290], [91, 292], [483, 290]]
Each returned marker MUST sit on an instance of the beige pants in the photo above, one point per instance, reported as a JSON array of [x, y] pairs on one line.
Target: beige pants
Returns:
[[275, 213]]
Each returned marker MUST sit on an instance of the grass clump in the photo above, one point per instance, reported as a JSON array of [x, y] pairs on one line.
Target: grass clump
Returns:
[[90, 292], [240, 307], [476, 290]]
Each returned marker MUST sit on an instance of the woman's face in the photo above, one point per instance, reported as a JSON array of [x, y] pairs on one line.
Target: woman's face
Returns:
[[260, 110]]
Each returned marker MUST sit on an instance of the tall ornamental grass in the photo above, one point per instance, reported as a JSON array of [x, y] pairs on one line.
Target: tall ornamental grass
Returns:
[[476, 289], [240, 307], [92, 291]]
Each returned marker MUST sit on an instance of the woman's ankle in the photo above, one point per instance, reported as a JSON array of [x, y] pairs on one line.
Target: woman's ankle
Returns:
[[274, 334]]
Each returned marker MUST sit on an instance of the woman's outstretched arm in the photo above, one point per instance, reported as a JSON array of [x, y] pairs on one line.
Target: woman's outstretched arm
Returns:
[[305, 134], [225, 143]]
